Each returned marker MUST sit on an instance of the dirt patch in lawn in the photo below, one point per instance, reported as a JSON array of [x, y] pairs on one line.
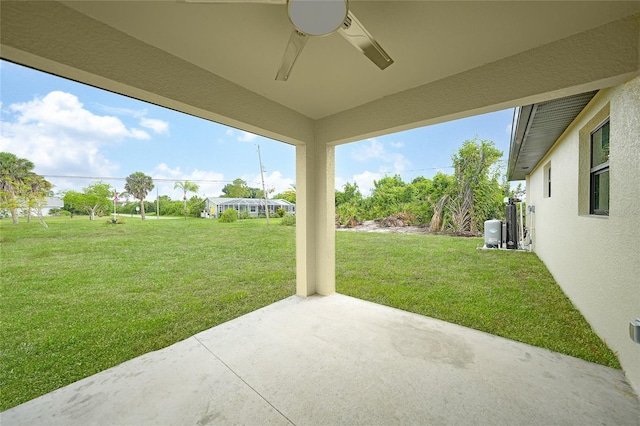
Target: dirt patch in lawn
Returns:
[[381, 226], [373, 226]]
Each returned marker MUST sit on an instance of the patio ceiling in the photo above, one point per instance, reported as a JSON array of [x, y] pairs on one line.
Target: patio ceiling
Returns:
[[218, 61]]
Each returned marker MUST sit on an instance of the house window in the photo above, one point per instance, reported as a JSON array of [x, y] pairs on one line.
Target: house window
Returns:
[[599, 173], [253, 209], [547, 180]]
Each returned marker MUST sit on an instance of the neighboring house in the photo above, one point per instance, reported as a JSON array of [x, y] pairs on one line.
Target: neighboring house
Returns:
[[44, 206], [51, 203], [215, 206], [580, 156]]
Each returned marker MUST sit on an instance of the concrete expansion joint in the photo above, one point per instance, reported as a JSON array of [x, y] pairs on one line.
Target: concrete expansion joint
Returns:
[[243, 380]]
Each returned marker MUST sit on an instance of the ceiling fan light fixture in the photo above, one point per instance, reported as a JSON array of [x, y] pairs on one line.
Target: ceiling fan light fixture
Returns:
[[317, 17]]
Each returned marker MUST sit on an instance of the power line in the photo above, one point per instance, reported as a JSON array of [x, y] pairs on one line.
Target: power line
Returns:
[[431, 168], [124, 178], [445, 167]]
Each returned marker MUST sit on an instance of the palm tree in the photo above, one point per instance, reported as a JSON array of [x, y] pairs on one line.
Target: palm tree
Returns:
[[186, 186], [38, 189], [139, 185], [14, 174]]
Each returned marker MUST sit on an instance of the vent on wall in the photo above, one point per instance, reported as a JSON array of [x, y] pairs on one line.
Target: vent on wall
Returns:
[[538, 127]]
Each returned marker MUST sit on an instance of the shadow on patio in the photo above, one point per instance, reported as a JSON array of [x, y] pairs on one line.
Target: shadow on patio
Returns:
[[340, 360]]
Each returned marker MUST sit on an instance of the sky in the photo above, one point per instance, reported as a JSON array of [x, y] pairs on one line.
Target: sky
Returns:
[[77, 134]]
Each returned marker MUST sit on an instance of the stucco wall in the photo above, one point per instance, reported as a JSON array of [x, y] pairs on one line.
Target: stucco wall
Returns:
[[596, 260]]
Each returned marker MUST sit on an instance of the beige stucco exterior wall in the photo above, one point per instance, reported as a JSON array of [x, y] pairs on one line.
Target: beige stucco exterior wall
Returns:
[[596, 260]]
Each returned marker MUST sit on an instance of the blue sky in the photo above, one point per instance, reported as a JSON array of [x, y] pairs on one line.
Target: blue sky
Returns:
[[70, 129]]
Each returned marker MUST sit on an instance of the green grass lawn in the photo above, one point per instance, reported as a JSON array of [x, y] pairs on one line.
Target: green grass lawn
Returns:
[[506, 293], [82, 296]]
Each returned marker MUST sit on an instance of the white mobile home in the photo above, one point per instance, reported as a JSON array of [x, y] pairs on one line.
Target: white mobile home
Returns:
[[255, 207]]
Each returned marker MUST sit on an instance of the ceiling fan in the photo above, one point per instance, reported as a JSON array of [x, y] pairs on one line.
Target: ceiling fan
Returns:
[[312, 18]]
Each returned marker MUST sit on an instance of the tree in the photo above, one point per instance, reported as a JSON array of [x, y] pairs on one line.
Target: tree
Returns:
[[186, 186], [390, 195], [14, 174], [254, 192], [478, 191], [168, 207], [348, 205], [139, 185], [195, 205], [237, 189], [38, 189], [288, 195], [350, 194], [94, 199]]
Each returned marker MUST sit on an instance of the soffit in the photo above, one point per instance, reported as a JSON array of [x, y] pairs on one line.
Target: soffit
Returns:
[[537, 129]]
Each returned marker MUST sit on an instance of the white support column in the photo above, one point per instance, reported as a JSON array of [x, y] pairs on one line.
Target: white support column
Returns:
[[315, 220]]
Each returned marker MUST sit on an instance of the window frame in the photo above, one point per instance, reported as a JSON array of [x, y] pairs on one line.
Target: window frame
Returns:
[[547, 180], [597, 170]]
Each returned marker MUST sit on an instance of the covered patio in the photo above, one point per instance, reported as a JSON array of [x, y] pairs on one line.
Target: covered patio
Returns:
[[334, 359], [339, 360]]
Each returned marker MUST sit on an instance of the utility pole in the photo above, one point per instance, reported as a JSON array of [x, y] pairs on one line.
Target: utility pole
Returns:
[[264, 191], [115, 202]]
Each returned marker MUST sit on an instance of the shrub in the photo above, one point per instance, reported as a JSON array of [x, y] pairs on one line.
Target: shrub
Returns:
[[288, 220], [347, 215], [244, 214], [395, 220], [280, 212], [228, 216]]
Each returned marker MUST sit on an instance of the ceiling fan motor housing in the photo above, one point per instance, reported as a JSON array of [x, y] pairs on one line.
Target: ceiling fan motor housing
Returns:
[[317, 17]]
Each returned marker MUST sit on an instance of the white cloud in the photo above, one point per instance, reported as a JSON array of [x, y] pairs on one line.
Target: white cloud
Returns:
[[139, 134], [241, 135], [137, 113], [60, 136], [368, 150], [272, 181], [379, 162], [156, 125], [365, 181], [246, 137], [400, 163], [210, 182], [63, 112], [277, 182], [372, 149]]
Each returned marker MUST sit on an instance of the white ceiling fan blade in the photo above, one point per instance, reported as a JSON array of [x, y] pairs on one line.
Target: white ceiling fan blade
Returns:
[[353, 31], [295, 46]]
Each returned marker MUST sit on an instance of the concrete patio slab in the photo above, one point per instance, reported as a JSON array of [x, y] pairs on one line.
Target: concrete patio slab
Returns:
[[339, 360]]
